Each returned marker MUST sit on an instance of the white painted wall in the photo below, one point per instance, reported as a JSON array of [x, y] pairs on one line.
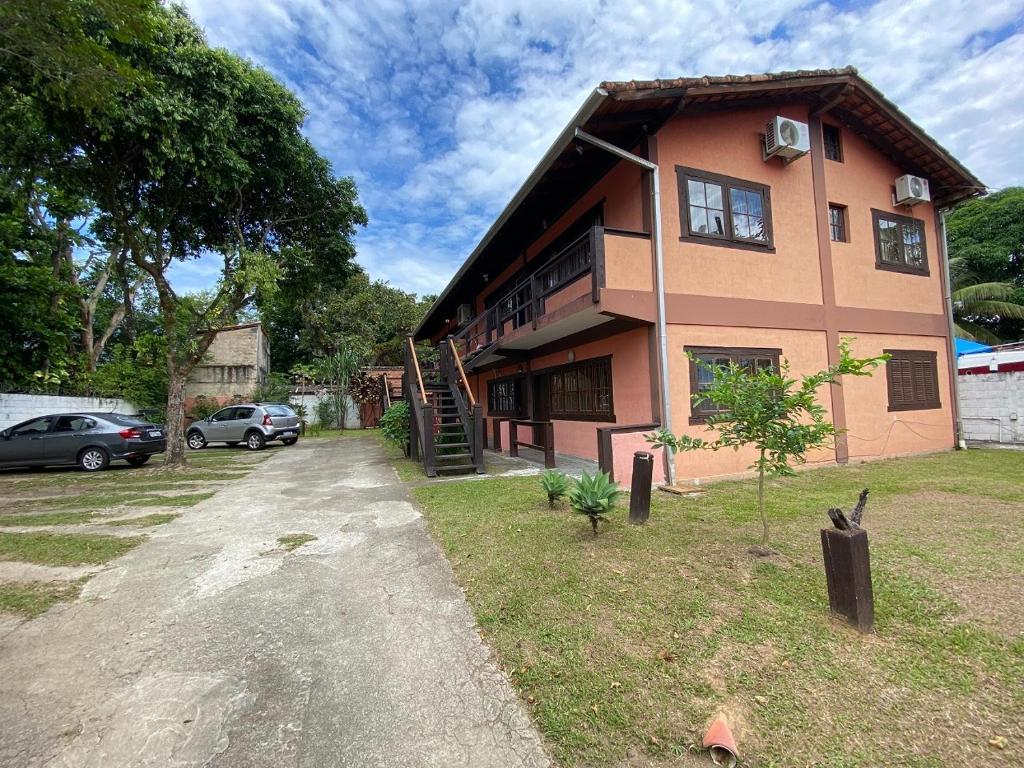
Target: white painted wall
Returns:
[[310, 402], [992, 406], [15, 409]]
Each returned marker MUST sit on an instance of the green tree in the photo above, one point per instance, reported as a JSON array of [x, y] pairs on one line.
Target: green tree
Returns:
[[205, 154], [986, 244], [779, 416], [336, 371], [59, 48], [348, 311]]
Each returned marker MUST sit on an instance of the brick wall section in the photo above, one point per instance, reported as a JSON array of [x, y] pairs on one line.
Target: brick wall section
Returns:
[[992, 406], [15, 409]]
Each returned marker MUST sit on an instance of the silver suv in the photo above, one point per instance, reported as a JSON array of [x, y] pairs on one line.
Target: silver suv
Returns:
[[251, 423]]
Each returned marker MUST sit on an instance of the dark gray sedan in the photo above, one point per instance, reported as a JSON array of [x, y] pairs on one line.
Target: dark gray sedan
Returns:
[[90, 440]]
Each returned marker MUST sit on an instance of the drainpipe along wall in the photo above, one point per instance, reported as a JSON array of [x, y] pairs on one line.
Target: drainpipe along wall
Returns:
[[659, 280], [947, 294]]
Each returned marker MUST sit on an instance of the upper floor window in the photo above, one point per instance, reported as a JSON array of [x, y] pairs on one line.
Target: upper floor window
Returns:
[[702, 376], [833, 142], [837, 222], [899, 243], [734, 212]]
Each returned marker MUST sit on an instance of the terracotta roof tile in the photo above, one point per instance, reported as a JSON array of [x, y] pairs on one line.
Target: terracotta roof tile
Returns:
[[704, 81]]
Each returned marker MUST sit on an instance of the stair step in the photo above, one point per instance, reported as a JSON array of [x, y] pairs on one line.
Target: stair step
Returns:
[[448, 456], [449, 467], [451, 445]]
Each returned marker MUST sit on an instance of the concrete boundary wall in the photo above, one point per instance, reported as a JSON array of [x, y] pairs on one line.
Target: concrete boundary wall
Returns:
[[992, 406], [15, 409]]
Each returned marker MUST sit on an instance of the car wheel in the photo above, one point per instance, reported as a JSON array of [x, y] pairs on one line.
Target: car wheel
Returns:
[[255, 441], [138, 461], [290, 440], [93, 459], [196, 441]]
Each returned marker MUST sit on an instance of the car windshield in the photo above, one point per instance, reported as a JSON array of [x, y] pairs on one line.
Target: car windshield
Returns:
[[279, 410]]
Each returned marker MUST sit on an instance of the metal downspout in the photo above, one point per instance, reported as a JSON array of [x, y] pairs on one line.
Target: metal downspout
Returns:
[[659, 278], [947, 294]]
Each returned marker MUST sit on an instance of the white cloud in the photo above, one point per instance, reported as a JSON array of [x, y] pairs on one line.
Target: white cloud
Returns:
[[440, 109]]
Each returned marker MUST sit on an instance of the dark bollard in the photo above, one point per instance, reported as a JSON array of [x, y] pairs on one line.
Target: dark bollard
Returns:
[[848, 573], [640, 493]]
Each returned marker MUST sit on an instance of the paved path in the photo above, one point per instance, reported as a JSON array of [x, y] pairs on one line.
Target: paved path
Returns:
[[205, 646]]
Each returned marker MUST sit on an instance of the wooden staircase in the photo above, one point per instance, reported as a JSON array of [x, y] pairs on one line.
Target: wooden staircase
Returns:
[[446, 422]]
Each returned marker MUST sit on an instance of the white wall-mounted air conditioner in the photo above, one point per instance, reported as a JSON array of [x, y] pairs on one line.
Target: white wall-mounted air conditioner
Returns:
[[465, 314], [911, 190], [786, 138]]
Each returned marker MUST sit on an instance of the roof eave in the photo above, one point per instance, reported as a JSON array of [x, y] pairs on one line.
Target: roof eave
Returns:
[[583, 114]]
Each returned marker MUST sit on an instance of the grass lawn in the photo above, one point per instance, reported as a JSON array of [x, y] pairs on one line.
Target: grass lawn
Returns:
[[30, 599], [625, 644], [64, 548], [146, 521]]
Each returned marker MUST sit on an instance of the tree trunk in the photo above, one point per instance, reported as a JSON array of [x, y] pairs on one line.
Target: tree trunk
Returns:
[[760, 502], [175, 455]]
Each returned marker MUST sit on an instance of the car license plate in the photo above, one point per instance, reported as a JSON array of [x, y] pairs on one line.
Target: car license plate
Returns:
[[287, 434], [155, 433]]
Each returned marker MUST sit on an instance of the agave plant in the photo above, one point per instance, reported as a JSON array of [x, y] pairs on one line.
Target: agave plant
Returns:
[[594, 496], [555, 485]]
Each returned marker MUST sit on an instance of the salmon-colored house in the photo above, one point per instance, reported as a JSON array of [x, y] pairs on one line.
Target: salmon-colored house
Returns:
[[754, 218]]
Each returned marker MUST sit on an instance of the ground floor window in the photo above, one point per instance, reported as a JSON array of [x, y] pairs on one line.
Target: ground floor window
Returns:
[[582, 391], [701, 377], [912, 377], [505, 397]]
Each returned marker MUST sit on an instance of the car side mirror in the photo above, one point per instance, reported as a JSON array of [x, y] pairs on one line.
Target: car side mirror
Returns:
[[5, 434]]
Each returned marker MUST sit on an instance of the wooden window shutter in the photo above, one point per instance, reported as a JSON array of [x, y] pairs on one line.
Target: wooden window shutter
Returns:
[[912, 380]]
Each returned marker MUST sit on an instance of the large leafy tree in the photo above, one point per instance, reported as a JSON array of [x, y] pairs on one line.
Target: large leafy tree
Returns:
[[353, 312], [204, 154], [57, 52], [986, 242]]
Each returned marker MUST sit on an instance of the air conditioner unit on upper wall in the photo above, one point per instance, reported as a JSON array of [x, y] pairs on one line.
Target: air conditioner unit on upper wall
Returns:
[[465, 314], [911, 190], [786, 138]]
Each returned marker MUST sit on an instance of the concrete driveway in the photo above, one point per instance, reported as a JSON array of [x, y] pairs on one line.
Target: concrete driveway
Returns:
[[211, 645]]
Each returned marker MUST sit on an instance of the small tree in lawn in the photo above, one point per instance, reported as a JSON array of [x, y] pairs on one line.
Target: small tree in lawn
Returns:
[[778, 415]]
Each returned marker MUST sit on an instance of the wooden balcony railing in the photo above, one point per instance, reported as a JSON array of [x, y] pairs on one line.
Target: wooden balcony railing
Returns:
[[526, 301]]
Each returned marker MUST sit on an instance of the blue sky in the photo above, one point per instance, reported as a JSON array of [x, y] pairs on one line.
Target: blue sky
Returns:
[[440, 109]]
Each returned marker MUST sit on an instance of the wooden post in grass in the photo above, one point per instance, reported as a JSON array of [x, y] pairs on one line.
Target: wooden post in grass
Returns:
[[848, 573], [640, 489]]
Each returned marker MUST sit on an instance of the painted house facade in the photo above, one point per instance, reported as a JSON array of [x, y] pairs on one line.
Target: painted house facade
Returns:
[[670, 217]]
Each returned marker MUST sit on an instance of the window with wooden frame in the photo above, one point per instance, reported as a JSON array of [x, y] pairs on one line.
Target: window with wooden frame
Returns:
[[837, 223], [899, 243], [701, 377], [912, 378], [724, 211], [832, 141], [505, 397], [582, 391]]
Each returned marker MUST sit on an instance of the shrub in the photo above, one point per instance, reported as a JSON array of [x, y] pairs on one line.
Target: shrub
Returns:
[[275, 389], [394, 424], [594, 496], [555, 485], [326, 412], [202, 407]]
